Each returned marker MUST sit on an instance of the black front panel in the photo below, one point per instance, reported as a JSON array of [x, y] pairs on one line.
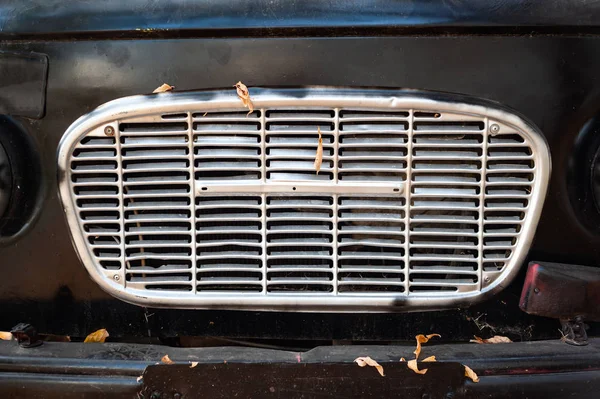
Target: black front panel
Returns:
[[551, 80]]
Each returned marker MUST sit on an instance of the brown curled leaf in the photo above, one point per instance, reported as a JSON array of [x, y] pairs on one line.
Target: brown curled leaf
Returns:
[[429, 359], [97, 336], [163, 87], [402, 359], [412, 364], [194, 364], [5, 336], [166, 360], [319, 155], [496, 339], [421, 339], [471, 374], [244, 95], [367, 361], [54, 338]]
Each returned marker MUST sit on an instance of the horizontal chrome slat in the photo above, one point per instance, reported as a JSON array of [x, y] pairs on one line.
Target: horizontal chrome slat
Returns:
[[443, 270], [367, 282], [299, 282]]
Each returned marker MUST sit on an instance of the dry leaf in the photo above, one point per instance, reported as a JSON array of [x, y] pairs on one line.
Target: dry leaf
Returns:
[[162, 88], [421, 339], [496, 339], [55, 338], [319, 156], [165, 359], [206, 113], [429, 359], [141, 377], [97, 336], [471, 374], [194, 364], [5, 336], [402, 359], [244, 95], [367, 361], [412, 364]]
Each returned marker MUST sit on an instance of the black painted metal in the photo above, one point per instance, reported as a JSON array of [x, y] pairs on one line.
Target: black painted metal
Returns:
[[23, 78], [147, 18], [549, 79], [516, 370]]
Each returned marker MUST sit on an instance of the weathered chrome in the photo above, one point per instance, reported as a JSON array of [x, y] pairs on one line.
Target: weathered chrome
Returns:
[[419, 203]]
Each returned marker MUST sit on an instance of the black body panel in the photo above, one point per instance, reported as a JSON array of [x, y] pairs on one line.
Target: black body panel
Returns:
[[550, 79], [148, 18]]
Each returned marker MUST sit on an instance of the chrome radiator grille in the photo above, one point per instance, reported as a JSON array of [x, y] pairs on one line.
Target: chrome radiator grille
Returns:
[[188, 202]]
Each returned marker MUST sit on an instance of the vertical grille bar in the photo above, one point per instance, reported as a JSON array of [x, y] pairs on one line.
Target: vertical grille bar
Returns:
[[263, 197], [407, 191], [480, 235], [193, 258], [124, 263], [336, 145]]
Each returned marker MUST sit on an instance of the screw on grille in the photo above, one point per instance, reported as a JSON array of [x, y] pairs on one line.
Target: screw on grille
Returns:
[[116, 277], [494, 129], [486, 279], [109, 131]]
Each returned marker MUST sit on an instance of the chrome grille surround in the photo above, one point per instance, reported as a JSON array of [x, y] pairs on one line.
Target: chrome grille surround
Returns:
[[423, 201]]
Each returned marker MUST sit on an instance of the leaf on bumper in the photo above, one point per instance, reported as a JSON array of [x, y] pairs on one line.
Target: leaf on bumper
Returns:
[[367, 361], [97, 336], [422, 339], [471, 374], [5, 336], [412, 364], [496, 339]]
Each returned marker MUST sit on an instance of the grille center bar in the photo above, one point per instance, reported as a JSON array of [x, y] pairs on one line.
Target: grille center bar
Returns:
[[299, 187]]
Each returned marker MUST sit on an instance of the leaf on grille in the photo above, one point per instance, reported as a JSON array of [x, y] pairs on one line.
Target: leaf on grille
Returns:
[[496, 339], [429, 359], [244, 95], [421, 339], [194, 364], [319, 156], [367, 361], [162, 88], [97, 336]]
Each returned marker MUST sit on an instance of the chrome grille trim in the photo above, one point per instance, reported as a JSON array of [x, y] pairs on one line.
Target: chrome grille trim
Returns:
[[465, 202]]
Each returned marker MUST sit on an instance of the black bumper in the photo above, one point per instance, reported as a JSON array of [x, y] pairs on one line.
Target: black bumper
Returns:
[[540, 369]]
